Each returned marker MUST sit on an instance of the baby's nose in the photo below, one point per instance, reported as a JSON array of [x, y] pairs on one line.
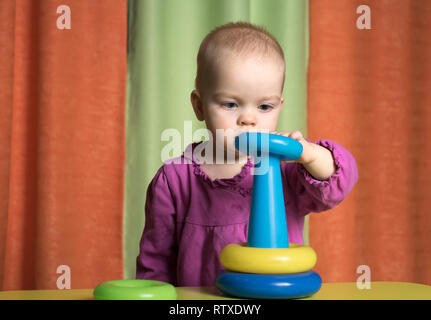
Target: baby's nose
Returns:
[[247, 119]]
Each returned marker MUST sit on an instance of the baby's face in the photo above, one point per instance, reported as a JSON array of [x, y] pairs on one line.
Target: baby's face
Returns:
[[243, 94]]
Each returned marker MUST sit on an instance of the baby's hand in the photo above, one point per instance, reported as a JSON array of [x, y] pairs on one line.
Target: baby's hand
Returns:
[[309, 152]]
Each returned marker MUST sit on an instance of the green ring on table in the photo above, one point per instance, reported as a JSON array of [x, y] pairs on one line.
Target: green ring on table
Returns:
[[137, 289]]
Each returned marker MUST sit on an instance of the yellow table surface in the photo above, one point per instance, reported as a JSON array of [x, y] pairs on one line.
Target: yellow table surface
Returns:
[[329, 291]]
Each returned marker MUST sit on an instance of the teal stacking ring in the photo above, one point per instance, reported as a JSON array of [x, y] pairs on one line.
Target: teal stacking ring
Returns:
[[255, 143], [269, 286], [135, 290], [267, 225]]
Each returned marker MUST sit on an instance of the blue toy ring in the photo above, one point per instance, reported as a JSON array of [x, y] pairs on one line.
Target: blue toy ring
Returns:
[[268, 226], [253, 143], [269, 286]]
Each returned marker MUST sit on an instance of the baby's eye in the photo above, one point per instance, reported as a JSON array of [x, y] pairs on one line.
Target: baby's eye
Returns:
[[265, 107], [229, 105]]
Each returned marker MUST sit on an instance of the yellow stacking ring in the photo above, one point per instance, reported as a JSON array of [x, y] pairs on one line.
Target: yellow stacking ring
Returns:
[[295, 259]]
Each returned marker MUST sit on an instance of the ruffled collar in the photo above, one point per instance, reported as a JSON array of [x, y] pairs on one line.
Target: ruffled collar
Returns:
[[235, 183]]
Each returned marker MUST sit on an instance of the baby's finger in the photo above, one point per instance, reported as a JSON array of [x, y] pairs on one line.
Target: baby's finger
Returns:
[[285, 133], [297, 135]]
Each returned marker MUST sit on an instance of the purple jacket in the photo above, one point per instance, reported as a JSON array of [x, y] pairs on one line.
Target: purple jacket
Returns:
[[190, 218]]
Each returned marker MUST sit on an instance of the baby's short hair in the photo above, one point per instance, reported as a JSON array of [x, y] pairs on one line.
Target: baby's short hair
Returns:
[[240, 38]]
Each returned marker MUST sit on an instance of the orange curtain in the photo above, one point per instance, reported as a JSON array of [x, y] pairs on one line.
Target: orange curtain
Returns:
[[369, 90], [62, 141]]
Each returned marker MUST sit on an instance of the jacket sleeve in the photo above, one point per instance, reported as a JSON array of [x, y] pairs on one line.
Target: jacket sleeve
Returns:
[[312, 195], [157, 259]]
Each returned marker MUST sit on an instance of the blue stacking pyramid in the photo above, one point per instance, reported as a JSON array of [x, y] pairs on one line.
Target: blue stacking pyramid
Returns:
[[268, 266]]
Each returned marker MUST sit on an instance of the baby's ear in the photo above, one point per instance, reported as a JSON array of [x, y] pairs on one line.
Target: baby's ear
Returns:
[[197, 104], [281, 103]]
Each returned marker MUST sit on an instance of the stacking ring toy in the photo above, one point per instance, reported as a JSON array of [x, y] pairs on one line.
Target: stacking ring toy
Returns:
[[240, 258], [135, 290], [269, 286], [268, 266]]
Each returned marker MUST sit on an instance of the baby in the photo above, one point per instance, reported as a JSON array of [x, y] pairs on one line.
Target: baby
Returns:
[[194, 209]]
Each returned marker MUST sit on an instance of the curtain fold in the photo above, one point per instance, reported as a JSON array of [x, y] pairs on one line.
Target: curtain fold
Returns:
[[62, 132], [164, 38], [369, 91]]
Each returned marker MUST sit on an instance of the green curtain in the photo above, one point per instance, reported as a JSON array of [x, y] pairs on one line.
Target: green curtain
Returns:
[[163, 41]]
